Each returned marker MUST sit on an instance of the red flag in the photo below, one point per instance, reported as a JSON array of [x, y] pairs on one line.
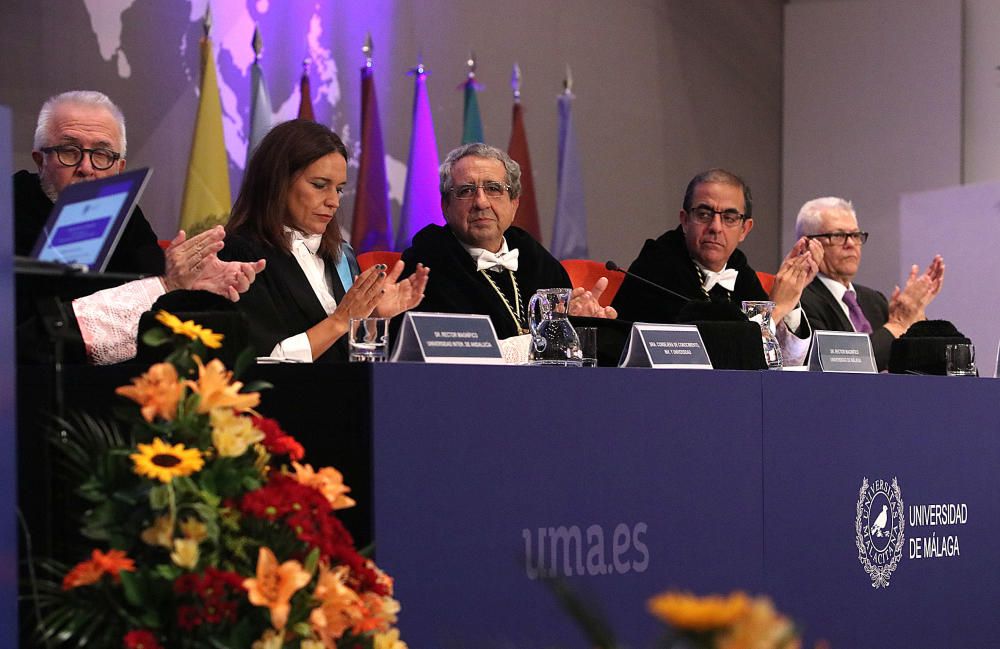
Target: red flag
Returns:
[[372, 225], [305, 99], [527, 212]]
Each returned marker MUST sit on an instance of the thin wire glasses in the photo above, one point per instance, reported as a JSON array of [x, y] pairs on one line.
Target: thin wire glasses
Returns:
[[492, 189]]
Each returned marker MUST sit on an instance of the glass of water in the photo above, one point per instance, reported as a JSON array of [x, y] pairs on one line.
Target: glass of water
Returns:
[[960, 360], [369, 340]]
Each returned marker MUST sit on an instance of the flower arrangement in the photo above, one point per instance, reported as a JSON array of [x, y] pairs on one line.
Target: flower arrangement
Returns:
[[735, 621], [208, 529]]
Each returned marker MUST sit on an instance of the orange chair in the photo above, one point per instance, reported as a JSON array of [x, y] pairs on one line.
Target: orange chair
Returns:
[[766, 280], [368, 259], [584, 272]]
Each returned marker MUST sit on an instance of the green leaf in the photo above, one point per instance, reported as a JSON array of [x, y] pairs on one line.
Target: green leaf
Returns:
[[156, 337], [159, 497], [246, 359], [256, 386], [311, 560]]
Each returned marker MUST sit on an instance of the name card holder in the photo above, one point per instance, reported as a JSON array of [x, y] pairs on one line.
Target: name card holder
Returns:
[[841, 351], [448, 338], [662, 346]]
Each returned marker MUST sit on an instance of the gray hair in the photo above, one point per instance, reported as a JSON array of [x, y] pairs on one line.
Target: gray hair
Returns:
[[479, 150], [91, 98], [810, 218]]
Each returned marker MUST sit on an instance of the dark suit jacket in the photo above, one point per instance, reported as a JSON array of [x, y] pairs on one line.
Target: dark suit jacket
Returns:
[[138, 250], [280, 302], [824, 312]]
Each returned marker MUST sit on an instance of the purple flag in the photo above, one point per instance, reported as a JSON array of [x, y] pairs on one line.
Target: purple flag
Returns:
[[421, 198], [372, 223], [569, 233]]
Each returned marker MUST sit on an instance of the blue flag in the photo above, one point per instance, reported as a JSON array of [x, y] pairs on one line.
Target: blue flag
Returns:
[[569, 233]]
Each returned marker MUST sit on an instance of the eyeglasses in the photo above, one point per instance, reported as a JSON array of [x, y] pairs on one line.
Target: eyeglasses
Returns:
[[70, 155], [492, 189], [705, 215], [840, 238]]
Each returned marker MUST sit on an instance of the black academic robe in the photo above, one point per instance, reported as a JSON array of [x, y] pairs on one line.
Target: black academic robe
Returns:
[[665, 261], [824, 312], [455, 286], [138, 250], [281, 303]]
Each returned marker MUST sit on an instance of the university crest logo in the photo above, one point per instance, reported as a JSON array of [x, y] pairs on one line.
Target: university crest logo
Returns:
[[879, 526]]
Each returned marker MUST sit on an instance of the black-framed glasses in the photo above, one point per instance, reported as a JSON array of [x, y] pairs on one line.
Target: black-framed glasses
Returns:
[[705, 215], [492, 189], [840, 238], [70, 155]]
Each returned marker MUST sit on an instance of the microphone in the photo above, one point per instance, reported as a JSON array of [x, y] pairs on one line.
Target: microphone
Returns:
[[610, 265]]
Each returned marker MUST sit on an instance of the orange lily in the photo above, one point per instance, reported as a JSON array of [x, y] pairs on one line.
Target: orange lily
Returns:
[[157, 391], [275, 585], [216, 391]]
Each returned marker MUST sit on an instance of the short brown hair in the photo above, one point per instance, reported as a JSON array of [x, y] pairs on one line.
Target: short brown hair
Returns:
[[261, 209]]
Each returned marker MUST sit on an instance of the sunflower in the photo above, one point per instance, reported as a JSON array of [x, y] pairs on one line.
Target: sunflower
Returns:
[[188, 328], [164, 462]]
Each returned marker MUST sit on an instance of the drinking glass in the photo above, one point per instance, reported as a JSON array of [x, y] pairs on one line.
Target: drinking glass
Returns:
[[369, 340], [960, 359]]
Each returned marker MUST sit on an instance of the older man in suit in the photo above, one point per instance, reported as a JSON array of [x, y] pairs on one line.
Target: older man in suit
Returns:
[[834, 303]]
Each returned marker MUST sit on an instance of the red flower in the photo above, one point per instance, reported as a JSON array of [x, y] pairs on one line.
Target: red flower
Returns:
[[141, 639], [217, 594], [277, 441], [308, 513]]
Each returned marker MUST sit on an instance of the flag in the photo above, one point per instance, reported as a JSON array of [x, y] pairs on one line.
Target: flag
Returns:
[[527, 211], [305, 94], [569, 233], [372, 223], [206, 200], [472, 123], [421, 198], [260, 102]]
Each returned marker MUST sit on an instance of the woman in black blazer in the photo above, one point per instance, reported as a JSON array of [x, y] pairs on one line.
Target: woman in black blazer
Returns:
[[300, 305]]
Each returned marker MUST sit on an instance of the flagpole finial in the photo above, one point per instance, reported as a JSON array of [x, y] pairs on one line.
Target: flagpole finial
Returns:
[[471, 64], [305, 65], [568, 81], [257, 42], [515, 82], [206, 22], [368, 50], [419, 70]]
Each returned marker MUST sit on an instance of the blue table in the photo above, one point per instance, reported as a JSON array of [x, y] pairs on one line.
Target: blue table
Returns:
[[628, 482]]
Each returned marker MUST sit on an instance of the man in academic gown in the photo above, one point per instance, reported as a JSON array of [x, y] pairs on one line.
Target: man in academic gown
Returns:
[[480, 262]]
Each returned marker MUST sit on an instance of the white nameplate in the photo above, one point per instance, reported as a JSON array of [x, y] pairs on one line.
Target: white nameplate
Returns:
[[842, 351], [663, 346], [448, 338]]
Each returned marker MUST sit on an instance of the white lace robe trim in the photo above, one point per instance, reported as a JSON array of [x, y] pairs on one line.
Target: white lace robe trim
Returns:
[[109, 319]]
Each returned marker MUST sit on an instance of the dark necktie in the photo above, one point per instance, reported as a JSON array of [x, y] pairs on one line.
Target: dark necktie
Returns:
[[855, 313]]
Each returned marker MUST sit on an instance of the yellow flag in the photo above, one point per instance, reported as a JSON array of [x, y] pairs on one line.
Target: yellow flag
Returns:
[[207, 200]]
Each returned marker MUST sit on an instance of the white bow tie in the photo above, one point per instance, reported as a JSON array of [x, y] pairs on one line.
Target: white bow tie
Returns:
[[310, 241], [726, 279], [487, 260]]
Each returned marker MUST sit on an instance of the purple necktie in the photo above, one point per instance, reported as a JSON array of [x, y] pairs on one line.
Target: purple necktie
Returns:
[[855, 313]]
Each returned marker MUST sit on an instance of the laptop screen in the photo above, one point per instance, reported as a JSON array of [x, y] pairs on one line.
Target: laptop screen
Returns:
[[88, 219]]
